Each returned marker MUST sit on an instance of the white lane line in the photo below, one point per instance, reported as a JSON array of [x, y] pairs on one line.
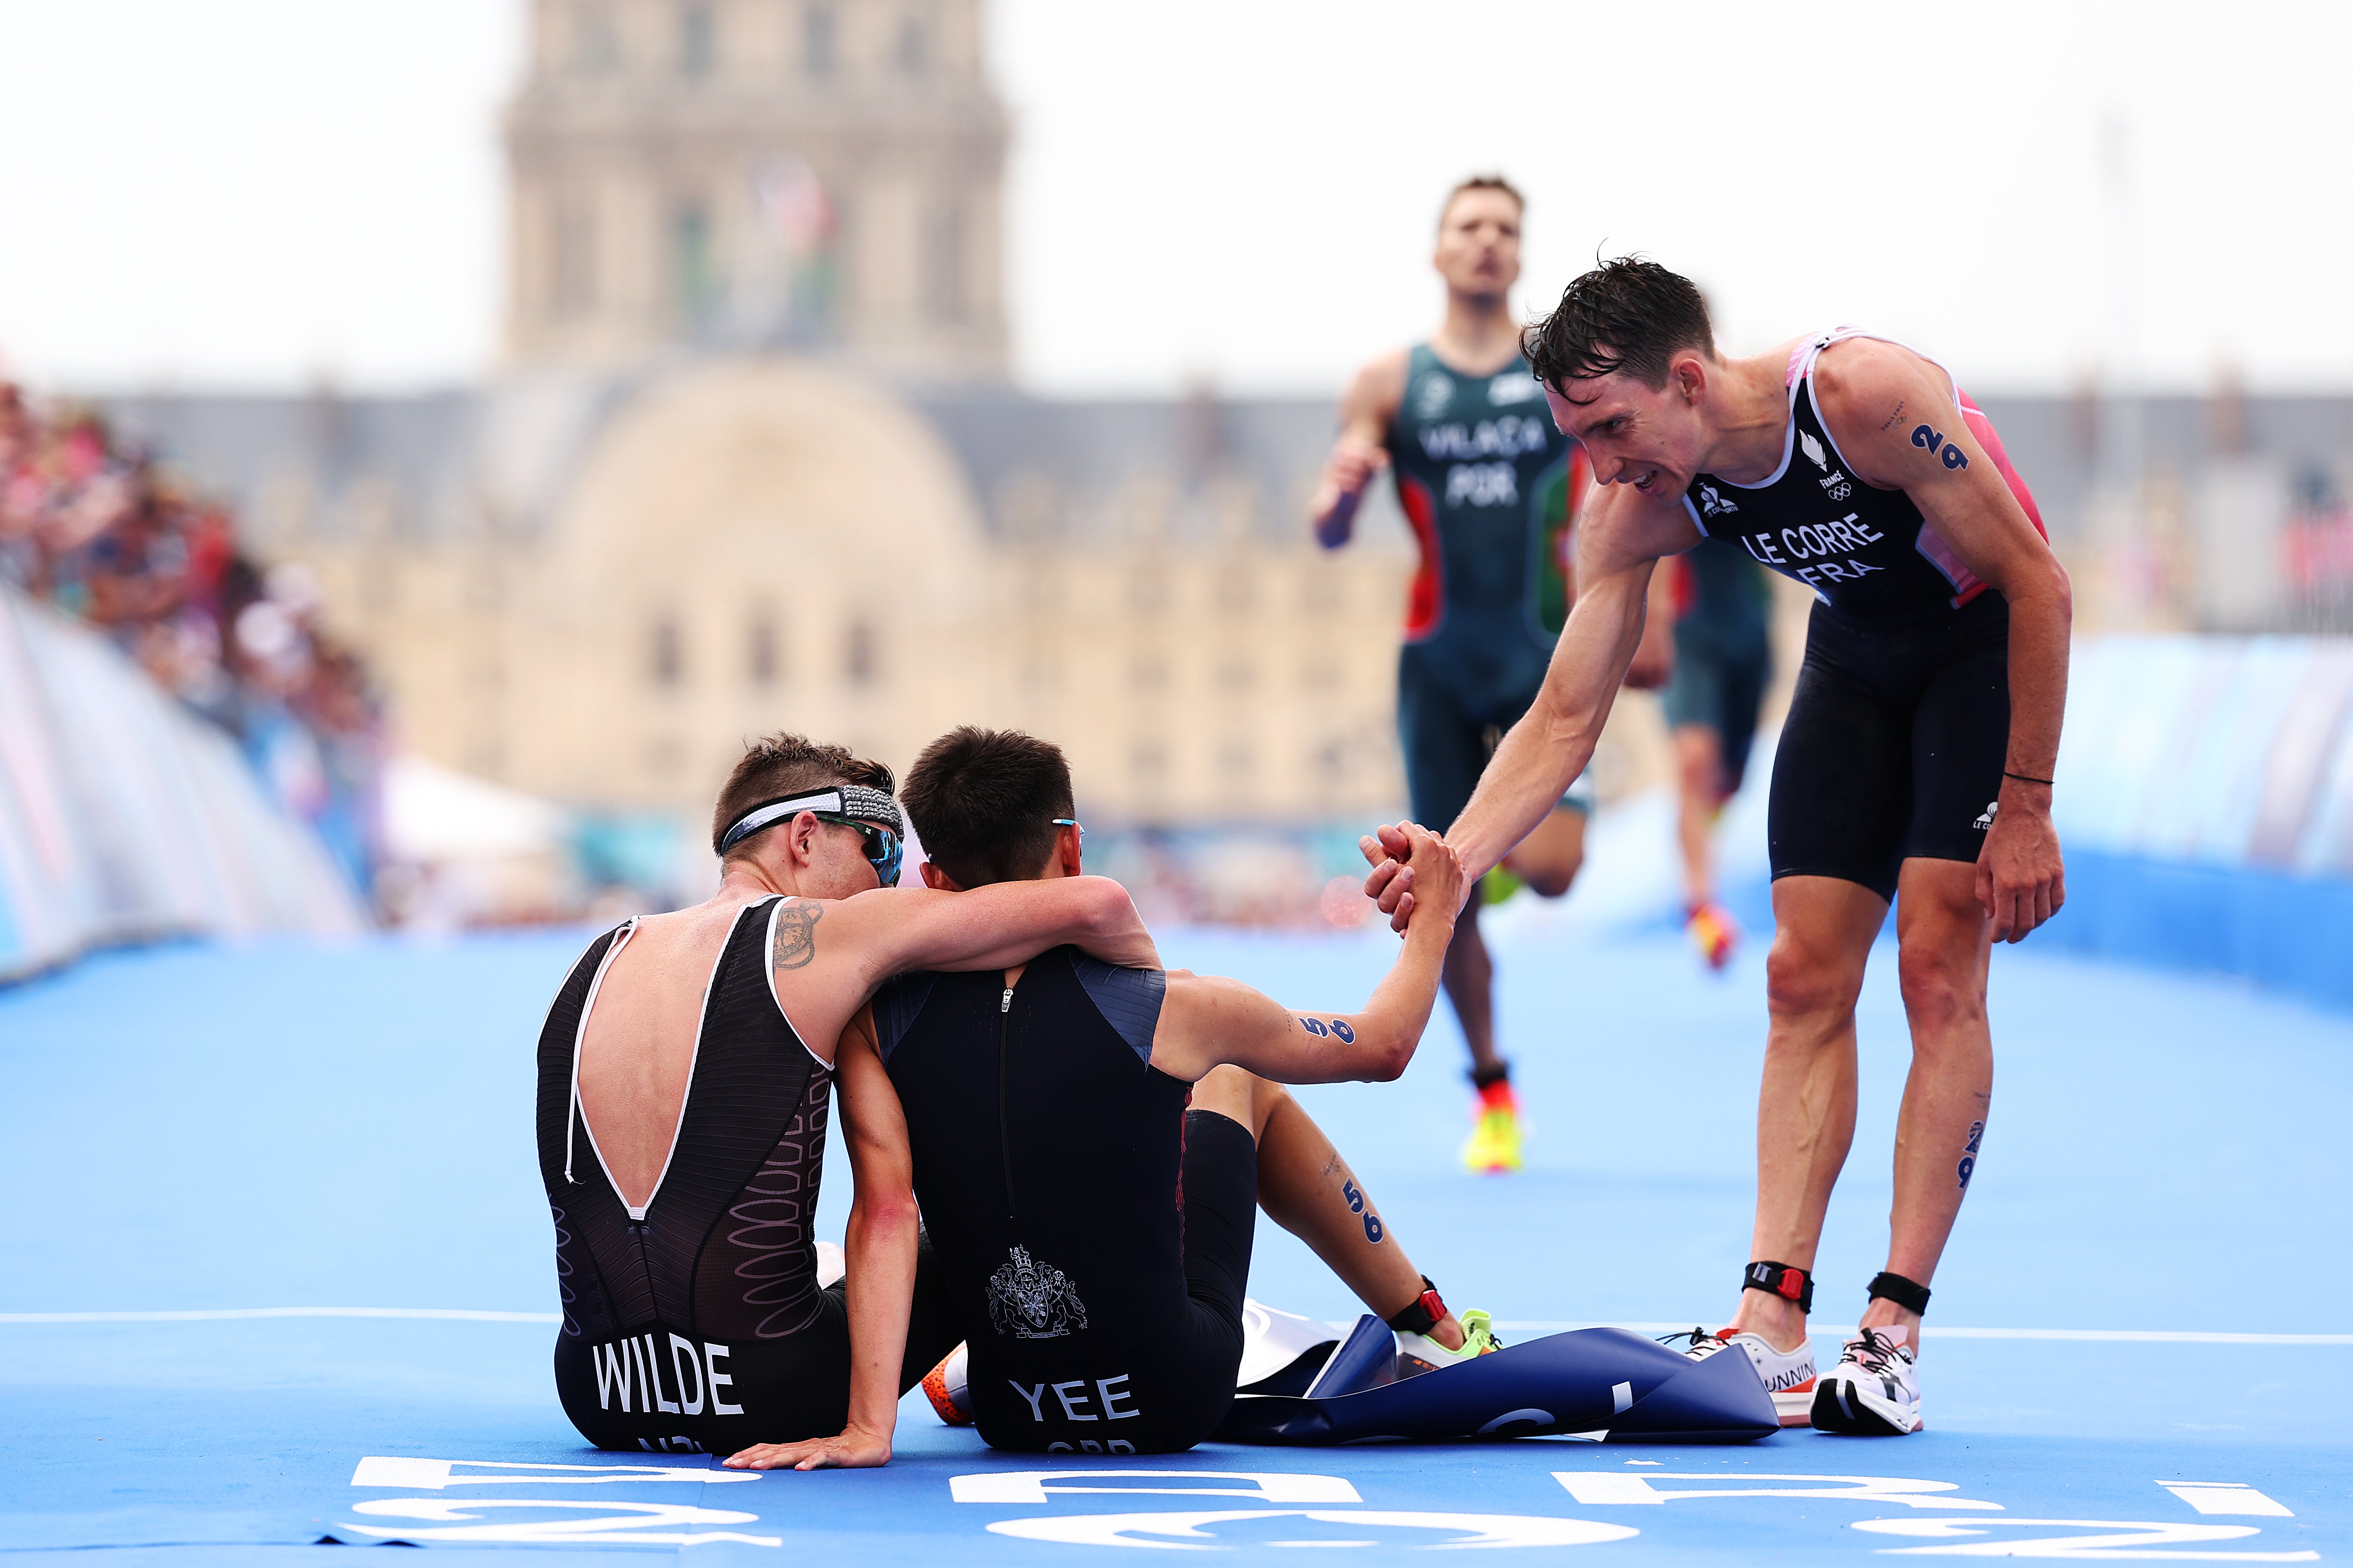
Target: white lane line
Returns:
[[2108, 1336], [2227, 1498], [224, 1314]]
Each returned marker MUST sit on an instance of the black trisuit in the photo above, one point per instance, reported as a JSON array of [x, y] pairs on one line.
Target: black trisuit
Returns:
[[1895, 739], [696, 1323], [1094, 1235]]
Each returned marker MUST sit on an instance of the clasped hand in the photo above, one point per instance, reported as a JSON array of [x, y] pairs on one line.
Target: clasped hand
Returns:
[[1413, 868]]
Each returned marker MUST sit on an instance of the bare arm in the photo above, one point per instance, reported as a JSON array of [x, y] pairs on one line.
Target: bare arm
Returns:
[[990, 928], [1365, 410], [882, 1253], [830, 954], [1893, 415], [1205, 1021], [1624, 535]]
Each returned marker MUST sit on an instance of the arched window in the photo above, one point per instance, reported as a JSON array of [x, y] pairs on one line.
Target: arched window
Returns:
[[665, 654], [943, 263], [572, 285], [694, 277], [698, 41], [595, 45], [862, 661], [763, 661], [914, 48], [817, 41]]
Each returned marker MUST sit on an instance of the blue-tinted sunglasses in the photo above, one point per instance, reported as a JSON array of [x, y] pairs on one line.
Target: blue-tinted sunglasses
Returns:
[[884, 849]]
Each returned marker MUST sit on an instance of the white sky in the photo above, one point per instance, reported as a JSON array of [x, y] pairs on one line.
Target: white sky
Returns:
[[261, 191]]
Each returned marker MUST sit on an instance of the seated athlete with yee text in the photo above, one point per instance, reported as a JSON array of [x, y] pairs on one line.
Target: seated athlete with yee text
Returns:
[[686, 1072], [1088, 1141]]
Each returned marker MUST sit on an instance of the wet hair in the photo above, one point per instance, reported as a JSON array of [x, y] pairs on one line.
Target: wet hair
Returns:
[[784, 764], [1481, 183], [1626, 314], [984, 804]]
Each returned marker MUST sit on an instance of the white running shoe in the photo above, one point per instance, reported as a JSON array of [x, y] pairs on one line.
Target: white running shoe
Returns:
[[1873, 1391], [1788, 1376]]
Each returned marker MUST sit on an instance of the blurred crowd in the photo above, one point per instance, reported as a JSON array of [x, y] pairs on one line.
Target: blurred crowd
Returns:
[[97, 530]]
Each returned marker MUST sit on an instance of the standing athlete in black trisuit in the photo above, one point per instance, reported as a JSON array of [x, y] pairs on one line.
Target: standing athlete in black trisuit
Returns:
[[1914, 767], [1490, 487], [1090, 1152], [685, 1072]]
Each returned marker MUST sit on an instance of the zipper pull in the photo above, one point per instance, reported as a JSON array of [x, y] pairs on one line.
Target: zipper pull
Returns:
[[1007, 1006]]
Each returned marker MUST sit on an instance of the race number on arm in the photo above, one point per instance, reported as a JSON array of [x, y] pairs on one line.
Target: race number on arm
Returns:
[[1893, 415], [1206, 1021]]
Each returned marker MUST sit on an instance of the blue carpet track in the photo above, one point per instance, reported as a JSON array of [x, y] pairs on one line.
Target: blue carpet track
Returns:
[[216, 1131]]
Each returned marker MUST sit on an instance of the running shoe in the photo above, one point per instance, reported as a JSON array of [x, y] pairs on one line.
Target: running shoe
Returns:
[[948, 1389], [1872, 1393], [1714, 931], [1495, 1146], [1418, 1354], [1788, 1376]]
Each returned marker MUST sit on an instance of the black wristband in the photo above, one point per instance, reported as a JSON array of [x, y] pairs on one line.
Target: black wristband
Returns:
[[1908, 1294], [1421, 1315], [1792, 1284], [2023, 778]]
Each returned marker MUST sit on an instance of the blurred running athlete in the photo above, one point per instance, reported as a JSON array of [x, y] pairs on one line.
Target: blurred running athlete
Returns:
[[686, 1073], [1091, 1144], [1915, 767], [1490, 487], [1715, 606]]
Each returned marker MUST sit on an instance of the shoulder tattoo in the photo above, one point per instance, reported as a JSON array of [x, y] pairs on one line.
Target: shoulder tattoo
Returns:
[[797, 933]]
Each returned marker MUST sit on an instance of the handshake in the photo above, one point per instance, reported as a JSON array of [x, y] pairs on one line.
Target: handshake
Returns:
[[1415, 872]]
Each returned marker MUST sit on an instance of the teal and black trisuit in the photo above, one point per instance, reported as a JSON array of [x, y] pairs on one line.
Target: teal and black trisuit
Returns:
[[1724, 654], [1487, 483]]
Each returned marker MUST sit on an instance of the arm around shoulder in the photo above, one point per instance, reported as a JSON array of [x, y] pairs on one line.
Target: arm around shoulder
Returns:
[[1008, 923]]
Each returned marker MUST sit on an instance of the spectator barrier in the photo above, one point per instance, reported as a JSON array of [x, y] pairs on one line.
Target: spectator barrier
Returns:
[[2205, 801], [125, 817]]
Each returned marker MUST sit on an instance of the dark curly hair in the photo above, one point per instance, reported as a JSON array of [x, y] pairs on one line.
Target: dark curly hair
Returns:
[[1626, 314]]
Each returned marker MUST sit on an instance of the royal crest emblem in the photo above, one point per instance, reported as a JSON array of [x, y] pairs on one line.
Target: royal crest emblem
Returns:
[[1033, 1300]]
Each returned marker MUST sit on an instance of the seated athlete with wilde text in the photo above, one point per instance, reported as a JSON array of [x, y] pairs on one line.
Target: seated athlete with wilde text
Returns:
[[1088, 1142]]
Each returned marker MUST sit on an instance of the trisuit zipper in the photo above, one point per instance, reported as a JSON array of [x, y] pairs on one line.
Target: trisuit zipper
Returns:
[[1004, 1113]]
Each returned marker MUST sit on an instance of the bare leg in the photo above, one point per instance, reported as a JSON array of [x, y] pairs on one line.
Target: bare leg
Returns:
[[1699, 772], [1307, 1188], [1941, 933], [1823, 930], [1469, 976], [1548, 858]]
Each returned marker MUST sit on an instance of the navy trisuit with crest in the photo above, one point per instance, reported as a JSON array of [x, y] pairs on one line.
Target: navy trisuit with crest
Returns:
[[1093, 1234]]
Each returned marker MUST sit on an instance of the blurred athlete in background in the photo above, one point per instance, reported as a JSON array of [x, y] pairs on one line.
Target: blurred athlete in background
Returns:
[[1490, 487], [1715, 606]]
